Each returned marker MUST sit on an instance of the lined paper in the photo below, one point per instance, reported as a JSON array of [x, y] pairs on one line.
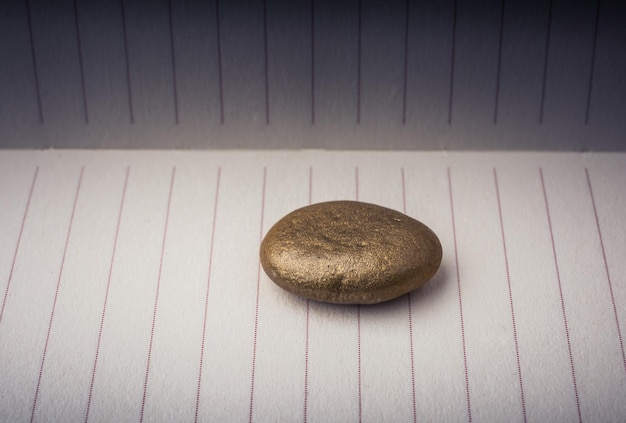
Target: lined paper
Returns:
[[132, 291], [360, 74]]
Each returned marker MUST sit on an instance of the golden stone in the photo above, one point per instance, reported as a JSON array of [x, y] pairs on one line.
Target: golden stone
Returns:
[[349, 252]]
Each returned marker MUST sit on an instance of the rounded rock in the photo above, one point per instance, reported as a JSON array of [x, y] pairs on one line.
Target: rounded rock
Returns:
[[349, 252]]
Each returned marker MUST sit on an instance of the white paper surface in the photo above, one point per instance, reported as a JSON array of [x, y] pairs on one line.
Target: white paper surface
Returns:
[[520, 323]]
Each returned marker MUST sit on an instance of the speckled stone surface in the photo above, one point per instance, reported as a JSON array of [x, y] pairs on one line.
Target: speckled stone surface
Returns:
[[350, 252]]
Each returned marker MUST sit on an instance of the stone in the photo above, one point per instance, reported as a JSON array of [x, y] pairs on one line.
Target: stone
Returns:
[[349, 252]]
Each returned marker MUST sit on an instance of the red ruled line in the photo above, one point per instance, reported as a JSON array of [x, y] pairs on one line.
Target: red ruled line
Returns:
[[405, 70], [358, 320], [266, 65], [593, 62], [79, 48], [312, 62], [306, 364], [358, 64], [19, 240], [310, 185], [508, 281], [218, 42], [129, 91], [34, 61], [173, 56], [358, 312], [545, 64], [306, 336], [156, 296], [256, 307], [558, 278], [606, 269], [206, 297], [106, 297], [499, 66], [458, 281], [56, 295], [452, 62], [410, 316]]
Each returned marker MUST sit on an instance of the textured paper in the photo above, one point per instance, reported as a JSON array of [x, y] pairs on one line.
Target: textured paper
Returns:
[[521, 323]]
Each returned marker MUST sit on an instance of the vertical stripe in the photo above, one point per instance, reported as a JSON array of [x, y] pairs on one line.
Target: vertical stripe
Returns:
[[17, 244], [558, 278], [106, 298], [458, 281], [206, 295], [508, 281], [56, 295], [256, 306], [156, 296]]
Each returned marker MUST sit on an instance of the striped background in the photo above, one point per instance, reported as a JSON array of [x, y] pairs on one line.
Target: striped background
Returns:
[[359, 74], [131, 290]]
